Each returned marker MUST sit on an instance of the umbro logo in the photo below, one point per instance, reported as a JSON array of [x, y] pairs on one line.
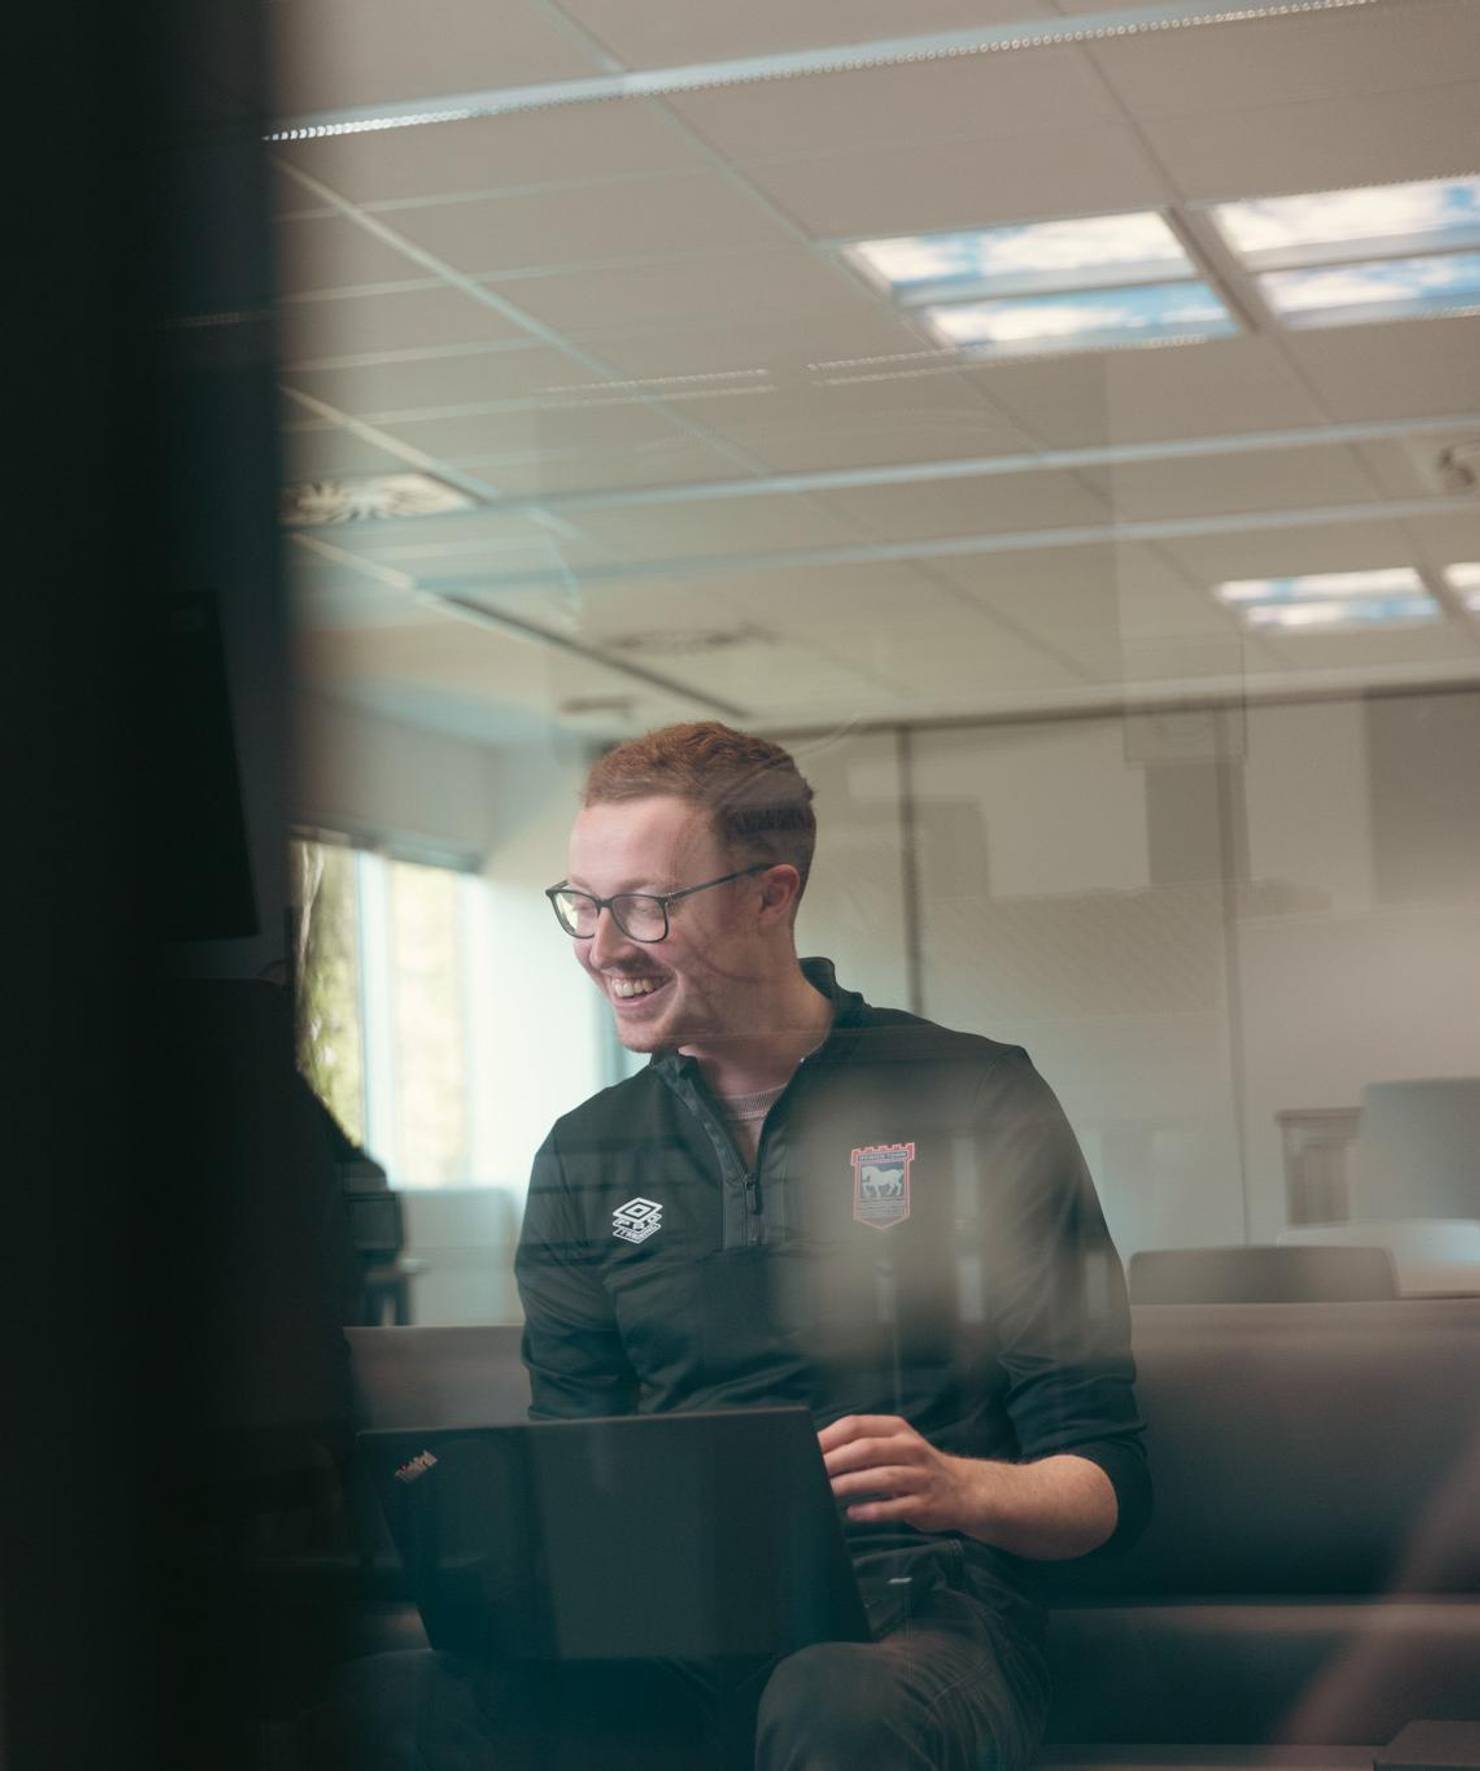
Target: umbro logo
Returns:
[[637, 1220]]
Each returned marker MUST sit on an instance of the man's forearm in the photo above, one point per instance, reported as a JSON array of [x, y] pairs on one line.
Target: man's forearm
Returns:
[[1049, 1511]]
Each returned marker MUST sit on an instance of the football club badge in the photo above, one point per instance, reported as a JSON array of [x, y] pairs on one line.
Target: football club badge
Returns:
[[881, 1184]]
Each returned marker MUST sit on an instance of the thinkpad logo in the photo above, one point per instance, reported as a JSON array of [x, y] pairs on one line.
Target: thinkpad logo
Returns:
[[417, 1466], [637, 1220]]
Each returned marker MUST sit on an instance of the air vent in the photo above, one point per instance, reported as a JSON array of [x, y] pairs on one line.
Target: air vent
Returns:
[[1457, 467], [375, 496]]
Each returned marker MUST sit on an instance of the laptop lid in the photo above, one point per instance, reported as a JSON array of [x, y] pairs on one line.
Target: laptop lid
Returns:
[[673, 1536]]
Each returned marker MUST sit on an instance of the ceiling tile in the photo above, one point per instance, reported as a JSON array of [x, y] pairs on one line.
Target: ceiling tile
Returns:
[[333, 54], [953, 656], [1443, 541], [431, 318], [913, 189], [715, 526], [685, 214], [1127, 396], [331, 252], [1404, 369], [1273, 479], [587, 144], [792, 435], [669, 459], [327, 452], [441, 381], [724, 288], [1278, 553], [464, 441], [967, 507], [1302, 59], [662, 33], [1447, 642], [974, 98], [1330, 145]]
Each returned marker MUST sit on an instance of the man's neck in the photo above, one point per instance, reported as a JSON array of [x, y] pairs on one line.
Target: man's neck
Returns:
[[792, 1021]]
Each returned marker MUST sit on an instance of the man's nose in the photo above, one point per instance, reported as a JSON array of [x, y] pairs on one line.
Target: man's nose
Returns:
[[608, 941]]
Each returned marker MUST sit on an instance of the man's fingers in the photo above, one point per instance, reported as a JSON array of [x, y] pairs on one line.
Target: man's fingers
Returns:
[[892, 1480], [861, 1454], [859, 1426], [869, 1512]]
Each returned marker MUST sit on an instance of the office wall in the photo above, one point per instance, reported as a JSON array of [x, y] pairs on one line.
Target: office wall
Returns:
[[1359, 929], [1192, 922]]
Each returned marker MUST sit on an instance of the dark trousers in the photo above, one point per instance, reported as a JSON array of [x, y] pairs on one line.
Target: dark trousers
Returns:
[[954, 1687]]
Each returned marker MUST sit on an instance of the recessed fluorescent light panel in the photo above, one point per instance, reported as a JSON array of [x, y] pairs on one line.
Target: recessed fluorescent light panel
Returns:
[[370, 496], [1465, 578], [1094, 283], [1278, 233], [1380, 289], [1331, 601], [1089, 319], [1028, 259], [1389, 252]]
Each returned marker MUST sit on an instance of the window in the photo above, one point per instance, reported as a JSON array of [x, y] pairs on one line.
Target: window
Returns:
[[386, 1013]]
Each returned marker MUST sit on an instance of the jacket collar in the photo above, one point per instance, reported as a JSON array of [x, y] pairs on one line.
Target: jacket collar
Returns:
[[848, 1009]]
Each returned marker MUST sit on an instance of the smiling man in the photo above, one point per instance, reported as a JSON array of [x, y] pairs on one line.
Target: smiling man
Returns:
[[803, 1198]]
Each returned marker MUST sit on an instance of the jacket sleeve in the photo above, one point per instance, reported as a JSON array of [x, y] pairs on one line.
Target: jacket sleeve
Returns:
[[1057, 1291], [571, 1344]]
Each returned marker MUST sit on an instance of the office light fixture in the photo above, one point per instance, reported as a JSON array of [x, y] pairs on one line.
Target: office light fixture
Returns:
[[1090, 319], [1375, 289], [1028, 258], [1319, 227], [1390, 596], [1093, 282], [1354, 612], [1464, 576], [1337, 258]]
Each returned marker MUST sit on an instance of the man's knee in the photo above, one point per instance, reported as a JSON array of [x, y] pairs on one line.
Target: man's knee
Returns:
[[825, 1706]]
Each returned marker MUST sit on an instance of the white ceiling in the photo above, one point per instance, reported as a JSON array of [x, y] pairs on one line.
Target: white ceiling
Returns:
[[621, 325]]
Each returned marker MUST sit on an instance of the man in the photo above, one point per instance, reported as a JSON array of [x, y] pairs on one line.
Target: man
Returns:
[[801, 1198], [805, 1199]]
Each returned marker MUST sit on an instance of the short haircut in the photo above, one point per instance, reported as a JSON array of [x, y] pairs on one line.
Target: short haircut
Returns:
[[759, 804]]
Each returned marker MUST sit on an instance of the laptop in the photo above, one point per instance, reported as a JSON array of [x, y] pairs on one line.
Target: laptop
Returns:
[[669, 1536]]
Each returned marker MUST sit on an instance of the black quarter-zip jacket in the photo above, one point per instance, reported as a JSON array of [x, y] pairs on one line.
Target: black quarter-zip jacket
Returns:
[[918, 1235]]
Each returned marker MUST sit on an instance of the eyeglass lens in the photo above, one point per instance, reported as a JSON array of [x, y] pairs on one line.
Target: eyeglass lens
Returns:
[[636, 915]]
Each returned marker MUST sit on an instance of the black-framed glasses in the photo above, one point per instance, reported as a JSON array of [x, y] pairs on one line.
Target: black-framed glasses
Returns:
[[641, 916]]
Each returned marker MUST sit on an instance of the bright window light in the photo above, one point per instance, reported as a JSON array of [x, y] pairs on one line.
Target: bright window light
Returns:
[[1363, 611], [1273, 233], [1318, 586], [1091, 319], [1465, 578], [1030, 258], [1378, 289]]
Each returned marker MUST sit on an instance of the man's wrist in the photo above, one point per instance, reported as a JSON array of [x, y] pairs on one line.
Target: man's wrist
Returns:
[[1058, 1508]]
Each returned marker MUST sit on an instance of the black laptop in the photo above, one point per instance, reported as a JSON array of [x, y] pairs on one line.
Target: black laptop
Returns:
[[672, 1536]]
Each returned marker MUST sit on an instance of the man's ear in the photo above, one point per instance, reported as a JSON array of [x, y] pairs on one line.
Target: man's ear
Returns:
[[780, 885]]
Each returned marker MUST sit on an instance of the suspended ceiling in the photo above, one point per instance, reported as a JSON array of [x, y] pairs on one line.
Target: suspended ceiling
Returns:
[[710, 467]]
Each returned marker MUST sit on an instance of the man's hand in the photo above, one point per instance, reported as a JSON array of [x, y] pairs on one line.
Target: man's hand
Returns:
[[884, 1469], [1058, 1507]]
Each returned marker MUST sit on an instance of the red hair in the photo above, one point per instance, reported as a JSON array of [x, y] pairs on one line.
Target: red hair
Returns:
[[759, 804]]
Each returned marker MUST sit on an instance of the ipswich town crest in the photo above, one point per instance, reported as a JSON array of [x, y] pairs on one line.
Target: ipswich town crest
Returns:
[[881, 1184]]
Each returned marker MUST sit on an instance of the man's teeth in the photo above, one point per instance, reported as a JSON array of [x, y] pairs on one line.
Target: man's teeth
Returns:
[[634, 986]]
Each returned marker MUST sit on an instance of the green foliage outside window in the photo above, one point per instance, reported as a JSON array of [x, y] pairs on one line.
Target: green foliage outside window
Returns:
[[330, 1047]]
